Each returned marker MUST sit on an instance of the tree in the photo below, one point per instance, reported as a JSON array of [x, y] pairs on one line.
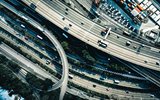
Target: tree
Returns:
[[2, 59], [87, 56], [65, 45], [47, 84]]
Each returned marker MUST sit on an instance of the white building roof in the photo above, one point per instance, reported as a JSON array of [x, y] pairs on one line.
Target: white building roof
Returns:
[[149, 3], [134, 12], [157, 12], [158, 22], [151, 7], [157, 17], [139, 1], [154, 16], [145, 1], [142, 5], [154, 9]]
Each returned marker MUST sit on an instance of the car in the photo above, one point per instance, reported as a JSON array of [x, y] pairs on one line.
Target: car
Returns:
[[157, 63], [127, 92], [152, 95], [102, 78], [135, 47], [43, 48], [103, 33], [94, 85], [126, 33], [116, 81], [66, 28], [23, 26], [48, 62], [26, 38], [128, 43], [70, 76], [107, 89]]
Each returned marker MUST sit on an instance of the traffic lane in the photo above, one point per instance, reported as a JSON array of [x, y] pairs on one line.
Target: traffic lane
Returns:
[[133, 46], [102, 89], [78, 20], [57, 6], [96, 29]]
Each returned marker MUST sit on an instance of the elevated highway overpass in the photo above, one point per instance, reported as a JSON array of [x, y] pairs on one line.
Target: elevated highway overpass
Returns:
[[64, 79], [32, 23], [89, 32]]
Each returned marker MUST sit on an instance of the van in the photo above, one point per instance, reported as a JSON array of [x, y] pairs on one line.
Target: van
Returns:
[[128, 43], [126, 33], [70, 76], [116, 81], [22, 26], [102, 43]]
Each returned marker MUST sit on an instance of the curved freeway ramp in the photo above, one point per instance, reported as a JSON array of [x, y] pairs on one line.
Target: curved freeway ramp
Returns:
[[64, 79]]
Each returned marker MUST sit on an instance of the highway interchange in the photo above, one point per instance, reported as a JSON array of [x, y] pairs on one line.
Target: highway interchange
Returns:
[[88, 38]]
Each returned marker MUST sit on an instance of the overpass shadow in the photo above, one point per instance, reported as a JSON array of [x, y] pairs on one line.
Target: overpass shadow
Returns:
[[91, 13]]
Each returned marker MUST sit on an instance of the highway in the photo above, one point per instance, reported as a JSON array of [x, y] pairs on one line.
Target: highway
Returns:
[[64, 79], [55, 12], [43, 30]]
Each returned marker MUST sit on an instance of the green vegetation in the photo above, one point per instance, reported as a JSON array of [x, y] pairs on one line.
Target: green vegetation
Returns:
[[38, 83], [88, 57], [118, 67], [90, 92], [10, 64], [69, 96], [10, 82], [65, 45]]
